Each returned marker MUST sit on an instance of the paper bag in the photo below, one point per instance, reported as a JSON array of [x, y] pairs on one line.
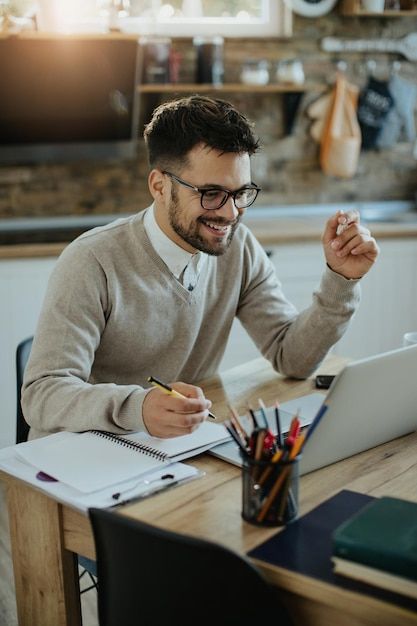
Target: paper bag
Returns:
[[319, 110], [341, 138]]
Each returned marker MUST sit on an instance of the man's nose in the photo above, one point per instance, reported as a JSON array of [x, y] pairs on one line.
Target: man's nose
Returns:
[[228, 210]]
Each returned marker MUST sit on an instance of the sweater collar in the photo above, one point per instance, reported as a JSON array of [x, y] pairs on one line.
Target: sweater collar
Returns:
[[174, 257]]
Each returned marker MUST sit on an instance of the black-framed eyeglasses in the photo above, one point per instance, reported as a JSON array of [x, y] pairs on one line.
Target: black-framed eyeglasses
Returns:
[[212, 198]]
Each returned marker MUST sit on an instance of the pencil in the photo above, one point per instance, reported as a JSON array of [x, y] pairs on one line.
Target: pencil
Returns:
[[169, 390], [253, 416], [268, 469], [263, 413], [278, 425], [273, 493], [259, 443], [227, 424], [237, 424]]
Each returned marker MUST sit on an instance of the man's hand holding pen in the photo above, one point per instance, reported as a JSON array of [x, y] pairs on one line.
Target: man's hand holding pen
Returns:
[[173, 410], [349, 248]]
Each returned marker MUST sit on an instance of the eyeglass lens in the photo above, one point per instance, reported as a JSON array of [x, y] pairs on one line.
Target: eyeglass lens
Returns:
[[215, 198]]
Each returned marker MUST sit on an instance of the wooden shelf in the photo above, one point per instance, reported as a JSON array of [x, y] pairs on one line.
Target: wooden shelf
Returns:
[[362, 13], [231, 87], [353, 8]]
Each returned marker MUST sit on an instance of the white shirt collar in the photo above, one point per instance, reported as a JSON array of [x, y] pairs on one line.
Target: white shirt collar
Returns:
[[174, 257]]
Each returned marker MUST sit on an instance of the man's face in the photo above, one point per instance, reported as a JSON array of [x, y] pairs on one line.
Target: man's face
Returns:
[[188, 223]]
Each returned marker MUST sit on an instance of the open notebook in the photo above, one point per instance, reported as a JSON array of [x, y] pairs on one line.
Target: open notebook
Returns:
[[93, 460], [100, 469], [132, 489]]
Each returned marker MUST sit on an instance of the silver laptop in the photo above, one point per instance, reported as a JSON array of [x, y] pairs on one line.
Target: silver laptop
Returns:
[[370, 402]]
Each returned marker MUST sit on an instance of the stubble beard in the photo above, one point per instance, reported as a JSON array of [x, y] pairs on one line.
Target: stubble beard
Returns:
[[191, 234]]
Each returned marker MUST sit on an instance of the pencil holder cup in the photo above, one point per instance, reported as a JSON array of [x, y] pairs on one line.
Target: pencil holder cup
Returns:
[[270, 491]]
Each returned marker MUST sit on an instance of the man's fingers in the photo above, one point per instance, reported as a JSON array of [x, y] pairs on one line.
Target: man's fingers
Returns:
[[338, 223], [167, 415], [189, 391]]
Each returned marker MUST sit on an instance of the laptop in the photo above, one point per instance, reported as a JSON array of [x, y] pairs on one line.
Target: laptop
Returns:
[[371, 401]]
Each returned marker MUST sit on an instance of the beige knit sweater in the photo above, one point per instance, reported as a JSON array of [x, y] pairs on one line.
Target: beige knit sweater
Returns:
[[114, 314]]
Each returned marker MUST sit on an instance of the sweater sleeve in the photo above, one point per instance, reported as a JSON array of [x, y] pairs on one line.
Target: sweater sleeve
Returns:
[[294, 342], [56, 392]]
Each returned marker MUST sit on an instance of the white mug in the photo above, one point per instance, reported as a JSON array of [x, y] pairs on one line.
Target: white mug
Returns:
[[410, 339]]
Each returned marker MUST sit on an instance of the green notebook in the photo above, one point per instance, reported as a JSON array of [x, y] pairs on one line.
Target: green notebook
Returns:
[[382, 535]]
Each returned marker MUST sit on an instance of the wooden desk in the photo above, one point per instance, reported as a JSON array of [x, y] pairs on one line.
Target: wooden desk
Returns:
[[45, 534]]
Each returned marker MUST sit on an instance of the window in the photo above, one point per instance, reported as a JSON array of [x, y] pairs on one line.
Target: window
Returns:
[[229, 18]]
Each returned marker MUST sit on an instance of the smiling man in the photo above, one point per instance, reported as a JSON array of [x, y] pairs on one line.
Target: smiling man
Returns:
[[157, 293]]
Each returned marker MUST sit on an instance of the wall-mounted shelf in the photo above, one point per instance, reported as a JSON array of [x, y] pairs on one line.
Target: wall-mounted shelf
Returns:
[[353, 8], [152, 94], [230, 87]]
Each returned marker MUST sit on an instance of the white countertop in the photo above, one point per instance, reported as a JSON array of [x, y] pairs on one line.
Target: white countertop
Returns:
[[370, 211]]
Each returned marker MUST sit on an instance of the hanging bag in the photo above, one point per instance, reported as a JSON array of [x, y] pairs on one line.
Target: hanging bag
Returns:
[[341, 138]]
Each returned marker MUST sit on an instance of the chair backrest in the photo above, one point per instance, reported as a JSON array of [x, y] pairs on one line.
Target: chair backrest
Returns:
[[148, 576], [22, 355]]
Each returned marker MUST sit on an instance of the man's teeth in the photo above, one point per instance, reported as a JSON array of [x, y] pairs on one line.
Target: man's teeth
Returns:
[[217, 226]]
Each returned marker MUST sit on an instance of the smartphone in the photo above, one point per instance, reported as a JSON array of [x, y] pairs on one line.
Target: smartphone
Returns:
[[323, 381]]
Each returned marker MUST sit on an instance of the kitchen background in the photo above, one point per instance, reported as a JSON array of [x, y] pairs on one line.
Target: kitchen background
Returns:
[[287, 168], [33, 195], [44, 205]]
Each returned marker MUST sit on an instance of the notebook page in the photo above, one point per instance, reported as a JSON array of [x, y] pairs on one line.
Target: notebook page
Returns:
[[85, 461], [204, 437], [89, 462], [139, 487]]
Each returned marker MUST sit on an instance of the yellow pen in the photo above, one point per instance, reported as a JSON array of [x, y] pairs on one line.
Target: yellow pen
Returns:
[[169, 390]]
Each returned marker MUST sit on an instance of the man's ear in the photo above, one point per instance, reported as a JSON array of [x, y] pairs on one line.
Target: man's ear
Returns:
[[156, 184]]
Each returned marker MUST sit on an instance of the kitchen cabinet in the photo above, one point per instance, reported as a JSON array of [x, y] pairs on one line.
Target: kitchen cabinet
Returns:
[[388, 307], [22, 288]]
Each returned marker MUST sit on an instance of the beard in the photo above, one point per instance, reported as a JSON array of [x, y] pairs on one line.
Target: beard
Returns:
[[191, 233]]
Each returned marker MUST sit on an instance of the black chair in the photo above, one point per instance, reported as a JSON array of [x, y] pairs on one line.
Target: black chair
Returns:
[[149, 576], [22, 356], [22, 432]]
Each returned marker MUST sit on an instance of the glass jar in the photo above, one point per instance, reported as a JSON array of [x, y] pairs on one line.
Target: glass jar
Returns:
[[255, 72], [290, 71], [209, 67], [156, 57]]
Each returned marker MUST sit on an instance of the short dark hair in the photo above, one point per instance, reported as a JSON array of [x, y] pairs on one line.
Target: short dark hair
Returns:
[[178, 126]]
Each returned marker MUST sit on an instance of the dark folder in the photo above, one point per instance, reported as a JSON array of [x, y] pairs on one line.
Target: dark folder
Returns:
[[305, 546]]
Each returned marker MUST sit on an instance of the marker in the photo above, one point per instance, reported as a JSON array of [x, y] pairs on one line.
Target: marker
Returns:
[[170, 391]]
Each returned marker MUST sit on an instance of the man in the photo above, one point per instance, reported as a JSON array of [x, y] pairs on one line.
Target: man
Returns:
[[156, 293]]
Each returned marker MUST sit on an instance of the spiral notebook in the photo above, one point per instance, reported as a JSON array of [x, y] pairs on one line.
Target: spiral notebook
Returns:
[[96, 459], [131, 490]]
